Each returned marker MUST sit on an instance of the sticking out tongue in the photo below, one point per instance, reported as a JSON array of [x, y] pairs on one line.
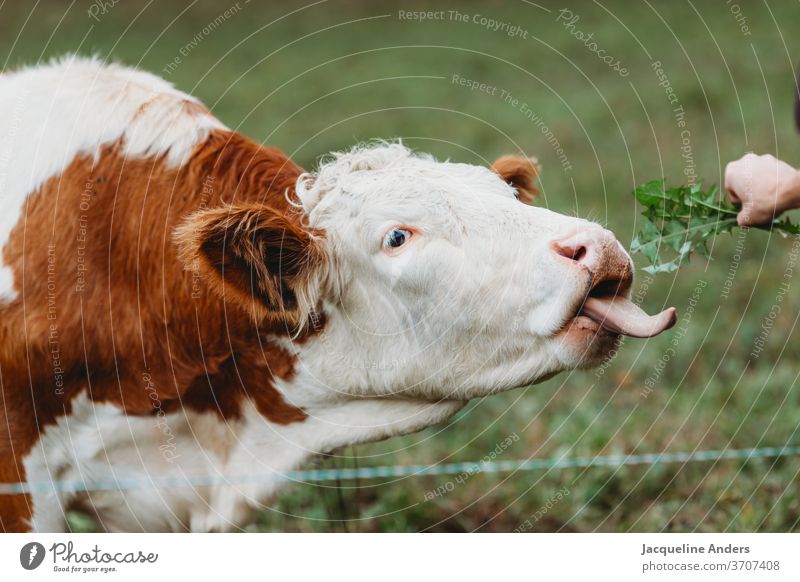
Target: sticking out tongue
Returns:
[[620, 315]]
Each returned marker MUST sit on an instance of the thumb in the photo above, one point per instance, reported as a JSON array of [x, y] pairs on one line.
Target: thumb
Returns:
[[743, 220], [745, 216], [755, 215]]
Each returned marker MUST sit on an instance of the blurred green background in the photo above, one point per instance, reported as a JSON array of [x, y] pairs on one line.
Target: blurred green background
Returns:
[[319, 77]]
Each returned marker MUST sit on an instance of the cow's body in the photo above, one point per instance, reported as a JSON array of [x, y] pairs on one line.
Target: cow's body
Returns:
[[120, 365]]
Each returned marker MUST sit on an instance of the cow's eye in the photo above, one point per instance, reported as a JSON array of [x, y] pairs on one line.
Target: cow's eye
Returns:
[[396, 238]]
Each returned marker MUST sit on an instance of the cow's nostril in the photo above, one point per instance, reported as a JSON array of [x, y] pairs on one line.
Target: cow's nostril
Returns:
[[574, 252]]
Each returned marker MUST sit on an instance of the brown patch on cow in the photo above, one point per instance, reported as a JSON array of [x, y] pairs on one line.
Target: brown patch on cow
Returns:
[[280, 363], [15, 510], [249, 374], [273, 362], [520, 173], [106, 306]]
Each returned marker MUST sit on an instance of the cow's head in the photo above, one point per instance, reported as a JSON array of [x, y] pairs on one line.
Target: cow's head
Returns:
[[434, 279]]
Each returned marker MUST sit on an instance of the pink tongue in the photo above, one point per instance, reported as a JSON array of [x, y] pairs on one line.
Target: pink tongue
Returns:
[[620, 315]]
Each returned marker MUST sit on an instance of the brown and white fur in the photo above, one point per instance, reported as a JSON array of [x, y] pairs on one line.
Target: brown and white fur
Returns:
[[179, 301]]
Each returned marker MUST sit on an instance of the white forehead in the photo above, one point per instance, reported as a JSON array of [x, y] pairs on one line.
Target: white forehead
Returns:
[[389, 179]]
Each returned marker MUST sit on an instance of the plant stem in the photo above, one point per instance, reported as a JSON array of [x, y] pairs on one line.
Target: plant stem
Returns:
[[688, 230]]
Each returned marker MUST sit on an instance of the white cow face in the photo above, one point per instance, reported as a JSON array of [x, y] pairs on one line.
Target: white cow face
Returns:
[[434, 279], [441, 283]]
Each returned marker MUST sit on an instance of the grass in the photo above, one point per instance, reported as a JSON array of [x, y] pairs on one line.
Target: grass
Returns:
[[339, 72]]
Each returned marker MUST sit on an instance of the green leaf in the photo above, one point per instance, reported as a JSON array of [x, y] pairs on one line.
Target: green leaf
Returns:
[[650, 193], [680, 221]]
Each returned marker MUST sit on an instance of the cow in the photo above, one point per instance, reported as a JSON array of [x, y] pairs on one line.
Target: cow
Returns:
[[178, 302]]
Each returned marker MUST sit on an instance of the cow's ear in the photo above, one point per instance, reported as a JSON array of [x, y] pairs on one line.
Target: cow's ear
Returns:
[[520, 173], [256, 257]]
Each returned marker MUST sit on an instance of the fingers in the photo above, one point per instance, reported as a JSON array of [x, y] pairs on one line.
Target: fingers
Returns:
[[763, 186], [751, 182], [730, 171], [738, 178]]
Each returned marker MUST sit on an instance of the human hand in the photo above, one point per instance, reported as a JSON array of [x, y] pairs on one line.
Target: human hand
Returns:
[[763, 186]]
